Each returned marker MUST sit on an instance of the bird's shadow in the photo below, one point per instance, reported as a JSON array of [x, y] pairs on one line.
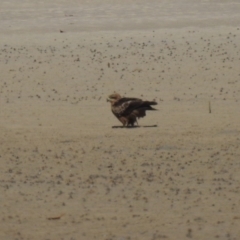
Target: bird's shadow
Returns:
[[130, 127]]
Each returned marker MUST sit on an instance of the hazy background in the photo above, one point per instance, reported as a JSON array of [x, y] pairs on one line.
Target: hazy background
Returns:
[[109, 15]]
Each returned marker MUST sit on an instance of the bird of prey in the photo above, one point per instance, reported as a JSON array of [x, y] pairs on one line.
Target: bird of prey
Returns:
[[128, 110]]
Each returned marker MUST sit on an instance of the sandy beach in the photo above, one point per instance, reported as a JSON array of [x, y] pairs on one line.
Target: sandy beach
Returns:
[[66, 173]]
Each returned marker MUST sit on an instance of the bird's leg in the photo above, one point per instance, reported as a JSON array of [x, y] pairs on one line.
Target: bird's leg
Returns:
[[132, 122], [124, 121]]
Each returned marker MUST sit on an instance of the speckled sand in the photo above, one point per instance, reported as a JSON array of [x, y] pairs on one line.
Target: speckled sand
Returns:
[[66, 174]]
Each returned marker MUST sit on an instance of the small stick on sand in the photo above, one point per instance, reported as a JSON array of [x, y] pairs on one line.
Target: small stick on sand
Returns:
[[55, 218], [209, 107]]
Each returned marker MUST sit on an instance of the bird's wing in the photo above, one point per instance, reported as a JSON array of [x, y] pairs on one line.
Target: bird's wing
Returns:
[[124, 100], [125, 106]]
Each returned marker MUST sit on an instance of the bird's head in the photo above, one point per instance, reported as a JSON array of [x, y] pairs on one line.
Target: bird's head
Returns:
[[113, 97]]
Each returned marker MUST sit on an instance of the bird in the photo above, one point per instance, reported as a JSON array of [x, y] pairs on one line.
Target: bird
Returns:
[[128, 110]]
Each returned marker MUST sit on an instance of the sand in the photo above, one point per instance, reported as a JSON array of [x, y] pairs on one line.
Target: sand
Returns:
[[66, 173]]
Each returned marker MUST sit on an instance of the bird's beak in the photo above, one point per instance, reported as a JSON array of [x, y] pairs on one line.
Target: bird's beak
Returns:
[[108, 100]]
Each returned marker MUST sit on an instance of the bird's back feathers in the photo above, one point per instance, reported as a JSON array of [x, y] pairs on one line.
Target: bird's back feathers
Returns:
[[125, 106]]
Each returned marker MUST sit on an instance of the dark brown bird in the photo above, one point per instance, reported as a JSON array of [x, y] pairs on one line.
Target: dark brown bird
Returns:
[[128, 110]]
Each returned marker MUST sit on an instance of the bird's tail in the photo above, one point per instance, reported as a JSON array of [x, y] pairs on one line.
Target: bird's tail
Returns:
[[147, 105], [152, 102], [152, 109]]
